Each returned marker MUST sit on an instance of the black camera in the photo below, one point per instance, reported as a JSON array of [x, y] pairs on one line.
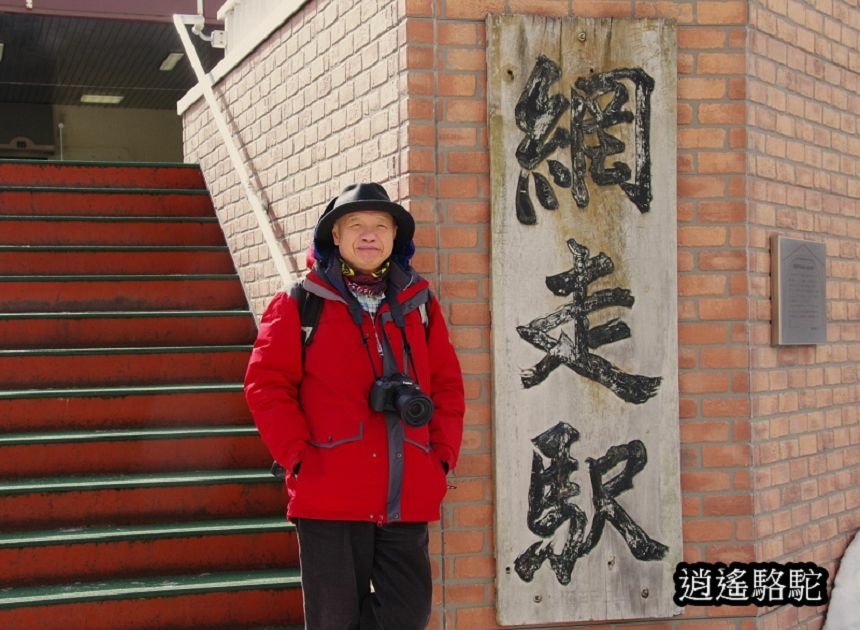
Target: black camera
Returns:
[[398, 393]]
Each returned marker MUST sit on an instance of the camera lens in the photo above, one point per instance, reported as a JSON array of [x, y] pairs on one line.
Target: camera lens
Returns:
[[416, 409]]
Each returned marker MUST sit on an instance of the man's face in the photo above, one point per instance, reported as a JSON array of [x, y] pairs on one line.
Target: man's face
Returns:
[[365, 238]]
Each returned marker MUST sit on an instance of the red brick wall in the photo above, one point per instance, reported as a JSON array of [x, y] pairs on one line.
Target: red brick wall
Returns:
[[447, 102], [712, 263], [804, 182], [767, 143]]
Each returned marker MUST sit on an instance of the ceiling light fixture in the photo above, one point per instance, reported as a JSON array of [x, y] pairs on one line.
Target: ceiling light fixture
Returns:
[[170, 61], [2, 46], [102, 99]]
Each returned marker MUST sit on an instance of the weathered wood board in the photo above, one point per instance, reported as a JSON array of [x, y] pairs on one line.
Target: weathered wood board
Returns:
[[582, 116]]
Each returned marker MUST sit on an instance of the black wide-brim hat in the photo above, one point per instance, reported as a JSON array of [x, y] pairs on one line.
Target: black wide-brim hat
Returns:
[[357, 197]]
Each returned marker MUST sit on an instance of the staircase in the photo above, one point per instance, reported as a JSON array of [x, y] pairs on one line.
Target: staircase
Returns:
[[134, 490]]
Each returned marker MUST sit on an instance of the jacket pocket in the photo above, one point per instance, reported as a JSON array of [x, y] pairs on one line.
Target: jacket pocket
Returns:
[[423, 446], [331, 441]]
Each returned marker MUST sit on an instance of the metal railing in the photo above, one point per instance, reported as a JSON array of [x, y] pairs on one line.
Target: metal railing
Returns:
[[258, 206]]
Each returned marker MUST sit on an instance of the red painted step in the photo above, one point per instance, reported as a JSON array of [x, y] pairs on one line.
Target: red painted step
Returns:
[[74, 502], [109, 231], [158, 328], [40, 369], [95, 174], [242, 608], [104, 202], [103, 554], [115, 408], [88, 259], [113, 293], [140, 451]]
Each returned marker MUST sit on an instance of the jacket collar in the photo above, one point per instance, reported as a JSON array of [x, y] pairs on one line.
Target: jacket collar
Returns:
[[328, 283]]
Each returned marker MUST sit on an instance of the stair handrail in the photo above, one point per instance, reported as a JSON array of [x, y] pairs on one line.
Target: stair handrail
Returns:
[[257, 205]]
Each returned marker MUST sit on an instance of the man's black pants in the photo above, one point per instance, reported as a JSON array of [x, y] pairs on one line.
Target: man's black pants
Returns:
[[340, 560]]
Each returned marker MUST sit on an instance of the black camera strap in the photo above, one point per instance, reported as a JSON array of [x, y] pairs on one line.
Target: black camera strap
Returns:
[[400, 322], [388, 358], [364, 340], [389, 364]]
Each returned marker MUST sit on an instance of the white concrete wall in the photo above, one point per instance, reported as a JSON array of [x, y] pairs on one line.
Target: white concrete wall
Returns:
[[316, 107]]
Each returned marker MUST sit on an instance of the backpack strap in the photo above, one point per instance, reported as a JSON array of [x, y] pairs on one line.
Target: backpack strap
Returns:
[[310, 309], [418, 302]]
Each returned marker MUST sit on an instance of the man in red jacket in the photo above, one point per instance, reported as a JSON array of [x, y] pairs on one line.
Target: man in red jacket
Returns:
[[366, 419]]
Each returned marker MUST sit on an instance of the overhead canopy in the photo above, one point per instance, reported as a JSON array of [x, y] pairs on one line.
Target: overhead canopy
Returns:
[[56, 56], [156, 10]]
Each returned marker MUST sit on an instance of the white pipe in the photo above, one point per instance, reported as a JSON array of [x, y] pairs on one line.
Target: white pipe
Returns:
[[238, 165], [60, 126]]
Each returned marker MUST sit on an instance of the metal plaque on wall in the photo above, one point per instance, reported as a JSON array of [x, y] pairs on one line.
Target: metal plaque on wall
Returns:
[[798, 277], [582, 116]]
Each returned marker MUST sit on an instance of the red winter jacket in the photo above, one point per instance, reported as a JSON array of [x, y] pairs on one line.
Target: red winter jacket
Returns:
[[345, 461]]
